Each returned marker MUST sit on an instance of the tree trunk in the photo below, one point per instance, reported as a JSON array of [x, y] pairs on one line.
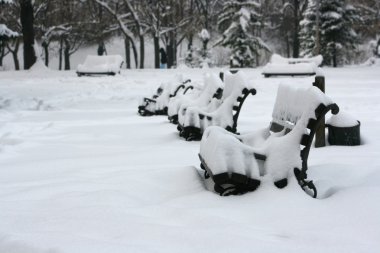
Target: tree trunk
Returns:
[[14, 54], [142, 51], [127, 53], [46, 50], [1, 54], [174, 50], [170, 50], [67, 55], [296, 41], [135, 53], [335, 63], [156, 42], [60, 51], [287, 46], [27, 20]]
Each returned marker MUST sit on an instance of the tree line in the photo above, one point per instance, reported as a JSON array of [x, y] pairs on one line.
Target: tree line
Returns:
[[251, 30]]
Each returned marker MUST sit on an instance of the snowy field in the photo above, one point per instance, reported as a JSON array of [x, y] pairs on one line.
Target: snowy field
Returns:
[[81, 171]]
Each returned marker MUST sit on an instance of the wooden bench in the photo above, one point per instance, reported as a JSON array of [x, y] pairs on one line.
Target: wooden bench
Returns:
[[194, 120], [100, 65], [281, 147], [163, 95]]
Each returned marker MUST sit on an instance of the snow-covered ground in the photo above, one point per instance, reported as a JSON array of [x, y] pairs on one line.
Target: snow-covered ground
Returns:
[[81, 171]]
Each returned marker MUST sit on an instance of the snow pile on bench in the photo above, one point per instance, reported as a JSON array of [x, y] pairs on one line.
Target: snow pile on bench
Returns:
[[211, 84], [160, 101], [279, 65], [106, 64], [222, 116], [225, 152]]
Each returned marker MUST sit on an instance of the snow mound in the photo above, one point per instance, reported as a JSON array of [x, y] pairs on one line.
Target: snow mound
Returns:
[[38, 66], [342, 119]]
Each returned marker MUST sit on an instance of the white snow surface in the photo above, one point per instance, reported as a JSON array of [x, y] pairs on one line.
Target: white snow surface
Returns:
[[101, 64], [81, 171]]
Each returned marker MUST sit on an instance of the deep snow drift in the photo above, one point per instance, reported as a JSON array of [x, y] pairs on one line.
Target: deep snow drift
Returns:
[[81, 171]]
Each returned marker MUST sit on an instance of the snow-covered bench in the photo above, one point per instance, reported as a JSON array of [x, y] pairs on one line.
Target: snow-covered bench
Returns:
[[236, 163], [158, 104], [100, 65], [213, 88], [279, 65], [193, 120]]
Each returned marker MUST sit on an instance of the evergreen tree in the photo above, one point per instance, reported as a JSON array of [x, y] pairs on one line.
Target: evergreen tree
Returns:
[[336, 32], [308, 30], [240, 23]]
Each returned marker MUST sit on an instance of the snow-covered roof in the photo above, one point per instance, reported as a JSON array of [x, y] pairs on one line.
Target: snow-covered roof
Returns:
[[6, 32]]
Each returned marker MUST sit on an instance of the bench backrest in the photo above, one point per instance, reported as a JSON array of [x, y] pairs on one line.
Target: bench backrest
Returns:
[[300, 106], [235, 92]]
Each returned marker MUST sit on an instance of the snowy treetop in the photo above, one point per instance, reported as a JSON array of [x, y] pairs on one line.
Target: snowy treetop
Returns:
[[6, 32], [6, 1]]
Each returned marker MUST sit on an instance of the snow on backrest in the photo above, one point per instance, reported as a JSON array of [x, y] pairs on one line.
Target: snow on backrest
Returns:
[[212, 83], [233, 84], [177, 80], [292, 104]]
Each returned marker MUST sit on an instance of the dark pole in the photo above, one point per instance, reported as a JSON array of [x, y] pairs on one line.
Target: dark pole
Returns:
[[320, 140], [27, 20]]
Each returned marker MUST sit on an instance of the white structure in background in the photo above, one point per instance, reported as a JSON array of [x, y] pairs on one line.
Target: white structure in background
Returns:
[[100, 65], [279, 65]]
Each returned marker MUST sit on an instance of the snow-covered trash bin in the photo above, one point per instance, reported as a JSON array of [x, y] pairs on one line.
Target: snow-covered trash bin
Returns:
[[100, 65], [343, 129]]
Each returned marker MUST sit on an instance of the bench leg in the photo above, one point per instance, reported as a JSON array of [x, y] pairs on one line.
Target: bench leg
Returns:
[[281, 183]]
